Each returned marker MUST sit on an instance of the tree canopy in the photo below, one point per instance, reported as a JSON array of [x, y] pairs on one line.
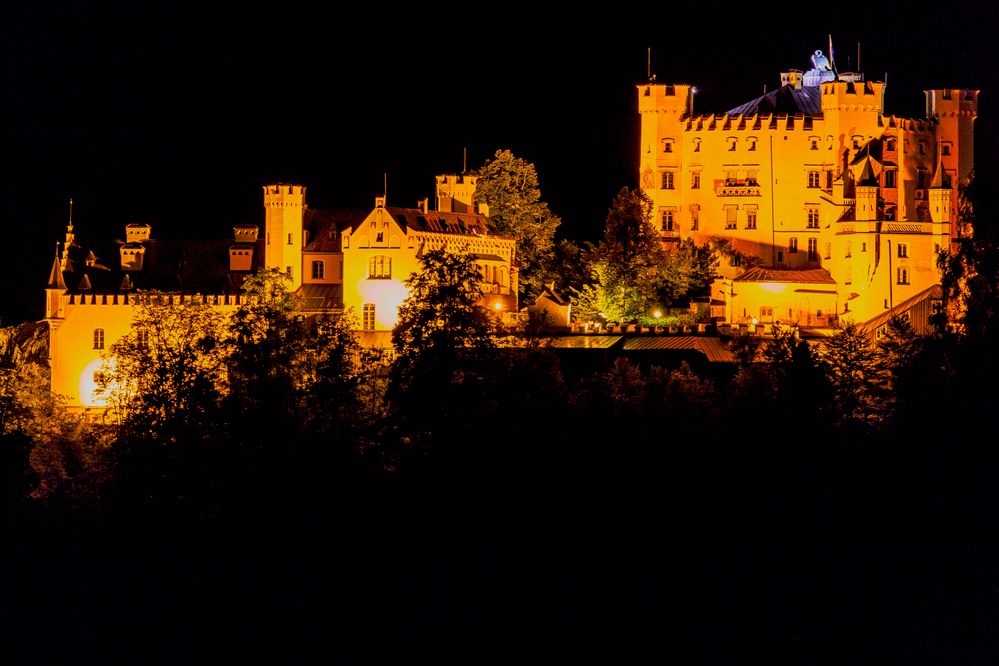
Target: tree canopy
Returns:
[[509, 186]]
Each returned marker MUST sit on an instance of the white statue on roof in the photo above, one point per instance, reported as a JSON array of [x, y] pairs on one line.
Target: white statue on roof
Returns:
[[821, 70], [820, 62]]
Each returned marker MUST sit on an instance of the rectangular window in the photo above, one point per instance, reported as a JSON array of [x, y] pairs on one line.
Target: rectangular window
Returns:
[[750, 218], [695, 214], [142, 338], [813, 249], [829, 179], [848, 250], [368, 311], [667, 180], [289, 239], [380, 237], [890, 175], [667, 146], [318, 270], [287, 270], [828, 254], [669, 222], [380, 267], [98, 338], [731, 215], [792, 245], [813, 218], [813, 178], [903, 250], [903, 276], [695, 180]]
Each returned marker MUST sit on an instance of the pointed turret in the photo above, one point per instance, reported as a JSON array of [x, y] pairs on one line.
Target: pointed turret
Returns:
[[55, 287], [939, 193]]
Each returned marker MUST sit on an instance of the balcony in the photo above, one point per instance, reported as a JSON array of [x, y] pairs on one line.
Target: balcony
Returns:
[[737, 188]]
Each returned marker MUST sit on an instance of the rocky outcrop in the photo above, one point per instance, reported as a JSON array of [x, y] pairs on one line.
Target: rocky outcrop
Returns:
[[27, 342]]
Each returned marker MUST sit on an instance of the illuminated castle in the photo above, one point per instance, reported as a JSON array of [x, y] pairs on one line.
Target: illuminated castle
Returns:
[[826, 208], [335, 259]]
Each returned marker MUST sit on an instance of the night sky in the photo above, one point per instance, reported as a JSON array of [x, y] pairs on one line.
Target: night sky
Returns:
[[176, 115]]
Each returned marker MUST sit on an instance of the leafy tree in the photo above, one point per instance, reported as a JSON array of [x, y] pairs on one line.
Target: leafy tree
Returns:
[[335, 381], [856, 373], [687, 271], [509, 186], [625, 265], [268, 355], [164, 381], [439, 341]]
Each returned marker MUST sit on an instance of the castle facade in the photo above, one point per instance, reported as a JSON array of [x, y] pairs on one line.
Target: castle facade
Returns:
[[336, 260], [825, 207]]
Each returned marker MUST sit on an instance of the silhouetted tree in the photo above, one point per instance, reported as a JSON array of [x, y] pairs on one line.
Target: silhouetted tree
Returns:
[[436, 378]]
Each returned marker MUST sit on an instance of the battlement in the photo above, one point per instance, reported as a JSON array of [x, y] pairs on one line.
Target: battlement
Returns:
[[951, 102], [660, 97], [283, 194], [751, 122], [850, 95], [135, 233]]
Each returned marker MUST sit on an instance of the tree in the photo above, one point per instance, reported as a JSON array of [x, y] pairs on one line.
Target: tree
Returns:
[[335, 381], [855, 370], [436, 377], [688, 271], [164, 381], [509, 186], [625, 265], [267, 356]]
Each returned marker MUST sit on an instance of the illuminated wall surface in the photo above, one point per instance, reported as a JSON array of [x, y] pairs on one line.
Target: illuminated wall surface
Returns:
[[845, 205], [356, 260]]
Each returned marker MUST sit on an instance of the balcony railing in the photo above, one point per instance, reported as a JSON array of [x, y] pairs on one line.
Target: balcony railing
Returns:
[[728, 188]]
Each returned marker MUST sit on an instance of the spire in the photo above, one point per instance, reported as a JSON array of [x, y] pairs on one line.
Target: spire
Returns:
[[55, 275], [867, 177], [70, 237]]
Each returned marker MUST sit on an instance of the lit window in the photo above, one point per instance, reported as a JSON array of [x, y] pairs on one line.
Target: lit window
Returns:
[[98, 338], [792, 246], [667, 180], [380, 267], [903, 250], [813, 218], [368, 316], [731, 214], [318, 270], [695, 180], [751, 177], [813, 178], [695, 213], [813, 249], [903, 276], [828, 253]]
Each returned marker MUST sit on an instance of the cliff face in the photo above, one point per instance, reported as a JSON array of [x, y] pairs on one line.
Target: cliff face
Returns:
[[25, 343]]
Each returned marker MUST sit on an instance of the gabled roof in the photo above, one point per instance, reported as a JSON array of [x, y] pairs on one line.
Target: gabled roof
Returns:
[[808, 275], [873, 324], [786, 99]]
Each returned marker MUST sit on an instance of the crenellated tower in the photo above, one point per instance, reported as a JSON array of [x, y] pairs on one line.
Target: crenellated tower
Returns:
[[284, 207]]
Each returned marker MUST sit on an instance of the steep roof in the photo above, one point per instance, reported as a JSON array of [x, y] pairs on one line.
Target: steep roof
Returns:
[[786, 99]]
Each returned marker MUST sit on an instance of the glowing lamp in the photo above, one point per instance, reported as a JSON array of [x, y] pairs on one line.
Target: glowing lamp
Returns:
[[498, 306], [657, 314]]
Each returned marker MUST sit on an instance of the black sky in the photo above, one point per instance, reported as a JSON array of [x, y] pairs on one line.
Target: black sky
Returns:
[[176, 115]]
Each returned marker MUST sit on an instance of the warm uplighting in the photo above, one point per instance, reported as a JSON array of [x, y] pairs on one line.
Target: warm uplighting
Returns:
[[89, 390]]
